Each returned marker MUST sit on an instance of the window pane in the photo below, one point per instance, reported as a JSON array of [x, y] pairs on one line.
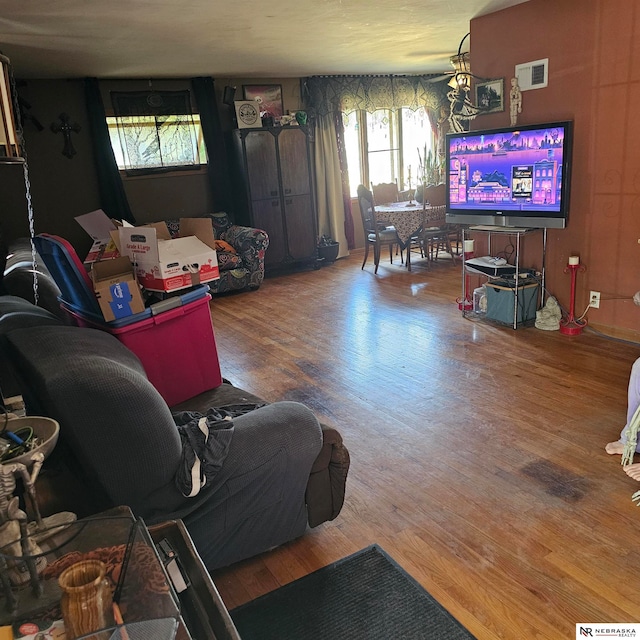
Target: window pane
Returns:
[[178, 141], [352, 148], [383, 153], [386, 158], [416, 143], [146, 142]]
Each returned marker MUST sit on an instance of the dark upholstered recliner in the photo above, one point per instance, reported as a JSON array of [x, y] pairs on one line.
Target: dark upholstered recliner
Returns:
[[119, 443]]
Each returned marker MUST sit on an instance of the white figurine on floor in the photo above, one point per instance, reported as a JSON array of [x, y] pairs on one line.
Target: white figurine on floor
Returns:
[[548, 318]]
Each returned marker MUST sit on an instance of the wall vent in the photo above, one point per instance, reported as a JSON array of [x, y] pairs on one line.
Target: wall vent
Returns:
[[533, 75]]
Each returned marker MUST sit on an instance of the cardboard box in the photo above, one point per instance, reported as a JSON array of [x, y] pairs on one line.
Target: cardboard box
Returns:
[[165, 264], [116, 287], [161, 263], [99, 226]]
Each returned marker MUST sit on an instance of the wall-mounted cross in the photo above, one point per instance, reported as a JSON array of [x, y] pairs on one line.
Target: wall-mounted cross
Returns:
[[66, 127]]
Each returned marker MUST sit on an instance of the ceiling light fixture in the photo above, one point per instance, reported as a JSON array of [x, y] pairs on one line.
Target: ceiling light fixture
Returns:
[[461, 63]]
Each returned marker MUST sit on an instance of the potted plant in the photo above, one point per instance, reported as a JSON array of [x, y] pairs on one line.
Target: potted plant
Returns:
[[328, 249]]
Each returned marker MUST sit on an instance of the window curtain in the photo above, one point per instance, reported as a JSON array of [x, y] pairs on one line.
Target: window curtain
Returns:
[[151, 103], [204, 93], [344, 171], [113, 198], [329, 191], [327, 94], [326, 98], [343, 94]]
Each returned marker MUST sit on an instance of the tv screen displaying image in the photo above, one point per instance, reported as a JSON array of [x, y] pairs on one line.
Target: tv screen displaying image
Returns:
[[514, 176]]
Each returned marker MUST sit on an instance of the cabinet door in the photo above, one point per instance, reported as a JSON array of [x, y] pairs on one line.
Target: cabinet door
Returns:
[[267, 215], [262, 166], [301, 234], [294, 161]]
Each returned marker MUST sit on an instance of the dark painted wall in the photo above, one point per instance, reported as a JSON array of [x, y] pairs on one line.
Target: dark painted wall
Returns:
[[63, 188]]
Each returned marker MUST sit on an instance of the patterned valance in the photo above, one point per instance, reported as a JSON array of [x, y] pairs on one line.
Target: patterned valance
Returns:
[[329, 94]]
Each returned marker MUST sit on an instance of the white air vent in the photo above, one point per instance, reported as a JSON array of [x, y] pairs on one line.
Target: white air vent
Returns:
[[533, 75]]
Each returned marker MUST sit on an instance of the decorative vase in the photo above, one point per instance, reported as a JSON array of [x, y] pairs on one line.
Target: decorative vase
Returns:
[[86, 600]]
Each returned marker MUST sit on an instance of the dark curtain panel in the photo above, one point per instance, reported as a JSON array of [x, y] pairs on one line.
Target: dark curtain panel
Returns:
[[344, 172], [203, 91], [113, 199]]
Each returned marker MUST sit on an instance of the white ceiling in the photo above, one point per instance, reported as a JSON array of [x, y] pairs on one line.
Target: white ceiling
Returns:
[[237, 38]]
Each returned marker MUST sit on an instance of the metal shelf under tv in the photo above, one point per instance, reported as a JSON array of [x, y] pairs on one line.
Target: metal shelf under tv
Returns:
[[490, 232]]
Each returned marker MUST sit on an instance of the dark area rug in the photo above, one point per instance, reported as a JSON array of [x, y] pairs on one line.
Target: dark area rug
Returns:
[[366, 596]]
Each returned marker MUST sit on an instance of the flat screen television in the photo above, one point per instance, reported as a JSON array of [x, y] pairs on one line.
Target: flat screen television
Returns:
[[510, 177]]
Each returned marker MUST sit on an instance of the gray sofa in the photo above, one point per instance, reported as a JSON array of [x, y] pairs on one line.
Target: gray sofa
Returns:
[[119, 444]]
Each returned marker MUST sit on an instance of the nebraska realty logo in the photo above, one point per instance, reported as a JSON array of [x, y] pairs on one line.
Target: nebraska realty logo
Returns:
[[607, 630]]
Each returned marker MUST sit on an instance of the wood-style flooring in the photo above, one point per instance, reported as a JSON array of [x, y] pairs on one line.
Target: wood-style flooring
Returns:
[[477, 451]]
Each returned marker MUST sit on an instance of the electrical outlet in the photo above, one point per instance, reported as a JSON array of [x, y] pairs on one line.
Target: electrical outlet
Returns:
[[594, 299]]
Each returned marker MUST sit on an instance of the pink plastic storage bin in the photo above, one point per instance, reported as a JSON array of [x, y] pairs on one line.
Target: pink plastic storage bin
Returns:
[[177, 348]]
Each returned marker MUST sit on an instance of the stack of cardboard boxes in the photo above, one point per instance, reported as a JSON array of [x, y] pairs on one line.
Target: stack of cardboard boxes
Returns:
[[173, 337], [124, 259]]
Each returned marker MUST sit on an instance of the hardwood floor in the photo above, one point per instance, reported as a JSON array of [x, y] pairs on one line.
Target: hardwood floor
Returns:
[[477, 451]]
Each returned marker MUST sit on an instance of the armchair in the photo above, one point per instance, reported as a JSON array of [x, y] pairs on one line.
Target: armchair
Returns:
[[242, 268], [119, 444]]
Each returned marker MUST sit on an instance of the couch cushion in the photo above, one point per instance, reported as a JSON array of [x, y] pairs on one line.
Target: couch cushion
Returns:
[[225, 395], [117, 425], [17, 313]]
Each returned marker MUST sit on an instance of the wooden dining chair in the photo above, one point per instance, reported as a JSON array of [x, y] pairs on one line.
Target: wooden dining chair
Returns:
[[385, 192], [448, 234], [376, 234], [436, 234], [435, 194]]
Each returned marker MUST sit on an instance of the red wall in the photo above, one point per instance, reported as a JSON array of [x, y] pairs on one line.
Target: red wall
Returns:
[[593, 48]]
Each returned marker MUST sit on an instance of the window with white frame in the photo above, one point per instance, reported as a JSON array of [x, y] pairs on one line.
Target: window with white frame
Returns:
[[386, 146]]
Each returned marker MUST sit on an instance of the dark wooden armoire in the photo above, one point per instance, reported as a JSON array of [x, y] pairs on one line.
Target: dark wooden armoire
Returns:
[[274, 171]]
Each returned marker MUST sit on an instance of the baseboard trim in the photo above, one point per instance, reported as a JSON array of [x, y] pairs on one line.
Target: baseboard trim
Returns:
[[617, 333]]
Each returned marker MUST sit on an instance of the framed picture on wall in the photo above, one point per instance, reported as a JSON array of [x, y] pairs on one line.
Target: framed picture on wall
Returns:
[[490, 95], [269, 96]]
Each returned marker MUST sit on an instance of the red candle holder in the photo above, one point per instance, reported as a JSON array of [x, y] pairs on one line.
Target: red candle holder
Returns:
[[572, 326], [464, 304]]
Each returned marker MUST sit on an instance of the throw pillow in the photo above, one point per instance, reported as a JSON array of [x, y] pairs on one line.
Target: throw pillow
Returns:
[[223, 245]]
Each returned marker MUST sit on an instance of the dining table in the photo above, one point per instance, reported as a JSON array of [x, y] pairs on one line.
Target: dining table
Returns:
[[408, 218]]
